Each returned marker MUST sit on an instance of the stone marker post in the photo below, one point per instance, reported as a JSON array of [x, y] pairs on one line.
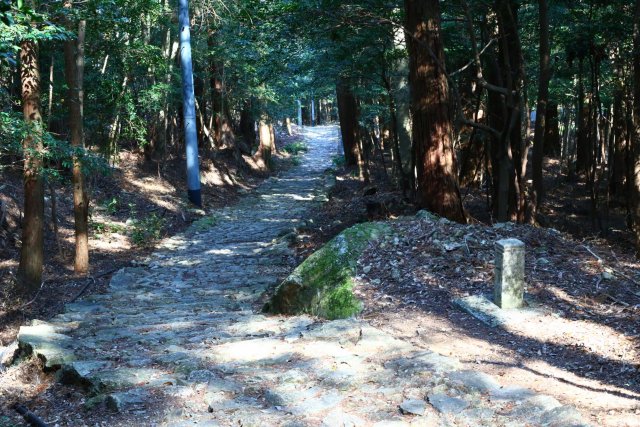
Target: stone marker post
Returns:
[[508, 285]]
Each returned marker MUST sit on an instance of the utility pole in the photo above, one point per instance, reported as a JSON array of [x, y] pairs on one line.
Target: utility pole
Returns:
[[189, 107]]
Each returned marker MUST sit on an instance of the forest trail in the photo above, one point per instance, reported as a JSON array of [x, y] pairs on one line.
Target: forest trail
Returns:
[[179, 340]]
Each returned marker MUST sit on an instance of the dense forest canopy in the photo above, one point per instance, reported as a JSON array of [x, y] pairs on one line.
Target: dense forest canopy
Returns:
[[507, 97]]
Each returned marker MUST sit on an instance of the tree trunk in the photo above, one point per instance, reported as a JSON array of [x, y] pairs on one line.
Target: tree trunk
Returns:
[[514, 156], [287, 125], [582, 142], [265, 149], [74, 73], [247, 125], [216, 70], [636, 125], [396, 157], [619, 146], [401, 99], [31, 254], [348, 113], [543, 99], [437, 184], [552, 144]]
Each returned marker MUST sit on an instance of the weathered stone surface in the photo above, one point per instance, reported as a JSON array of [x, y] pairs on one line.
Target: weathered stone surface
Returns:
[[8, 354], [480, 307], [511, 393], [508, 285], [446, 404], [130, 400], [473, 380], [413, 406], [315, 404], [79, 373], [424, 362], [43, 341], [322, 285], [342, 419]]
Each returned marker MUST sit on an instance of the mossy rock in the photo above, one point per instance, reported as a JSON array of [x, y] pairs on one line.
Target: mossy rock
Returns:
[[323, 284]]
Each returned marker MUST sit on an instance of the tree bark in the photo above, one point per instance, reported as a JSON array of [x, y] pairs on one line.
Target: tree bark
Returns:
[[265, 149], [436, 176], [399, 96], [74, 74], [512, 167], [247, 125], [348, 114], [636, 125], [31, 254], [583, 151], [543, 99], [552, 143], [619, 147]]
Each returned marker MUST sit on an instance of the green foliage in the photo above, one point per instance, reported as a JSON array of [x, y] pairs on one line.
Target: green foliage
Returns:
[[295, 148], [106, 227], [111, 205], [13, 130], [19, 22], [11, 134], [147, 230], [205, 223]]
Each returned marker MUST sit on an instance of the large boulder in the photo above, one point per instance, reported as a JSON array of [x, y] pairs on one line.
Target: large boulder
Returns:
[[323, 284]]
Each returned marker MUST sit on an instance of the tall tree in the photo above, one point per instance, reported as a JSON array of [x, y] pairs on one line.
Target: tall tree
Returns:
[[74, 74], [348, 114], [436, 177], [31, 253], [636, 125], [543, 98]]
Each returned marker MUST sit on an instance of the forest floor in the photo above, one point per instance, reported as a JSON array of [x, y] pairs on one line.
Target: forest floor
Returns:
[[583, 349]]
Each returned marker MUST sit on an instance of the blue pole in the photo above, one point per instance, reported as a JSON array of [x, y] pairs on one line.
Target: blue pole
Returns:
[[189, 107], [299, 112]]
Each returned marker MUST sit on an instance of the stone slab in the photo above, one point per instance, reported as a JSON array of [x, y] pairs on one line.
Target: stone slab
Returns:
[[483, 309]]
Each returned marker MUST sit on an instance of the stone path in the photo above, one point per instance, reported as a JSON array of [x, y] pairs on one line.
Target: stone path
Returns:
[[177, 341]]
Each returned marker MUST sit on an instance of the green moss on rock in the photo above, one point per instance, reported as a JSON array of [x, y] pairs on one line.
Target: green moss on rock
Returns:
[[322, 285]]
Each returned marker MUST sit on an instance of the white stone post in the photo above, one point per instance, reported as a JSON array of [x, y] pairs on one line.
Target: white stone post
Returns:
[[508, 285]]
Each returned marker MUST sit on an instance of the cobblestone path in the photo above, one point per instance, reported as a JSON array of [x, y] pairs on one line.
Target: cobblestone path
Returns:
[[178, 341]]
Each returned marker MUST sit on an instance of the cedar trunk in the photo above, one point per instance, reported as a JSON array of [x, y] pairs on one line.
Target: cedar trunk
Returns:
[[348, 114], [543, 99], [436, 178], [31, 253], [636, 126], [74, 73]]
